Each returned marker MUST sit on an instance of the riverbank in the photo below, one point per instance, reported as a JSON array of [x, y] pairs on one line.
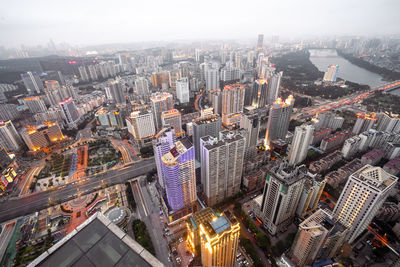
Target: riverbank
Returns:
[[300, 74], [388, 75]]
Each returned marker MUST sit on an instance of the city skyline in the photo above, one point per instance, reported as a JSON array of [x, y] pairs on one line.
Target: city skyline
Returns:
[[91, 23]]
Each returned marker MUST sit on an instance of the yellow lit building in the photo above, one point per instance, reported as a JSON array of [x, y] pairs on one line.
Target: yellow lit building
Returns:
[[37, 138], [193, 226], [219, 239]]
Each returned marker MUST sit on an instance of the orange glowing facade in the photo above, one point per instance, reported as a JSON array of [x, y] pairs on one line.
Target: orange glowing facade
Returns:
[[37, 138]]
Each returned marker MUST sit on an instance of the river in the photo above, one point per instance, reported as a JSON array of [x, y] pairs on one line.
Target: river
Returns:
[[322, 58]]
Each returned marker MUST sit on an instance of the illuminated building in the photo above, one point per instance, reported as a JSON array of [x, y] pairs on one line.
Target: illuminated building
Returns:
[[160, 102], [35, 104], [108, 118], [232, 103], [205, 125], [32, 82], [219, 238], [278, 120], [331, 74], [141, 125], [193, 227], [260, 42], [364, 122], [142, 86], [9, 137], [259, 93], [69, 111], [362, 196], [8, 174], [221, 165], [182, 90], [41, 136], [162, 143], [179, 174], [282, 192], [299, 147], [319, 236], [172, 118]]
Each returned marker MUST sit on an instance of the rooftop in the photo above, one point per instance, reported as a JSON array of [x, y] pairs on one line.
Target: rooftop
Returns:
[[96, 242]]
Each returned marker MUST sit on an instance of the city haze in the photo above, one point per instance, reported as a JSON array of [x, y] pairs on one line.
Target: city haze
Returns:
[[96, 22]]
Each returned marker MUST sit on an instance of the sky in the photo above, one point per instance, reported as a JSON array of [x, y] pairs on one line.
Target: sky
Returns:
[[84, 22]]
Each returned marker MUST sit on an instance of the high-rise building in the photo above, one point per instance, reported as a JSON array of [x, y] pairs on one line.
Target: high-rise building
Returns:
[[259, 94], [274, 84], [33, 138], [212, 78], [70, 112], [160, 102], [179, 174], [8, 112], [319, 236], [162, 143], [251, 123], [232, 104], [260, 42], [197, 54], [205, 125], [301, 140], [219, 240], [329, 120], [221, 165], [173, 77], [351, 146], [282, 192], [216, 101], [93, 72], [362, 196], [141, 125], [9, 137], [142, 86], [83, 73], [115, 93], [278, 120], [331, 74], [32, 82], [364, 122], [314, 185], [35, 104], [182, 90], [172, 118], [388, 122]]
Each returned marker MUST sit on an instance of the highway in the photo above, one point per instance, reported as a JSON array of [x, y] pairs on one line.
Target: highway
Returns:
[[17, 207], [346, 100]]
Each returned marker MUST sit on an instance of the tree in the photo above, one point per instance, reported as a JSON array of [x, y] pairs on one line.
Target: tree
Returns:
[[262, 240]]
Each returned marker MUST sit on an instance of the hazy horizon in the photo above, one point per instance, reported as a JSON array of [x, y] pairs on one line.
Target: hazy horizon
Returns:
[[103, 22]]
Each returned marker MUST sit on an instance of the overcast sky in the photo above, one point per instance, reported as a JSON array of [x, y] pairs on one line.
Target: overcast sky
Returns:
[[32, 22]]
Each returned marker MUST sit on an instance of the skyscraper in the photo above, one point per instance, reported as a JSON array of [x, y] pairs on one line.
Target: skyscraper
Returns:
[[282, 192], [162, 143], [93, 72], [141, 125], [115, 93], [274, 85], [182, 90], [301, 140], [142, 86], [260, 42], [212, 78], [160, 102], [206, 125], [172, 118], [251, 123], [69, 111], [221, 165], [9, 137], [232, 103], [83, 73], [259, 95], [219, 239], [179, 174], [278, 120], [364, 122], [362, 196], [35, 104], [318, 236], [32, 82]]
